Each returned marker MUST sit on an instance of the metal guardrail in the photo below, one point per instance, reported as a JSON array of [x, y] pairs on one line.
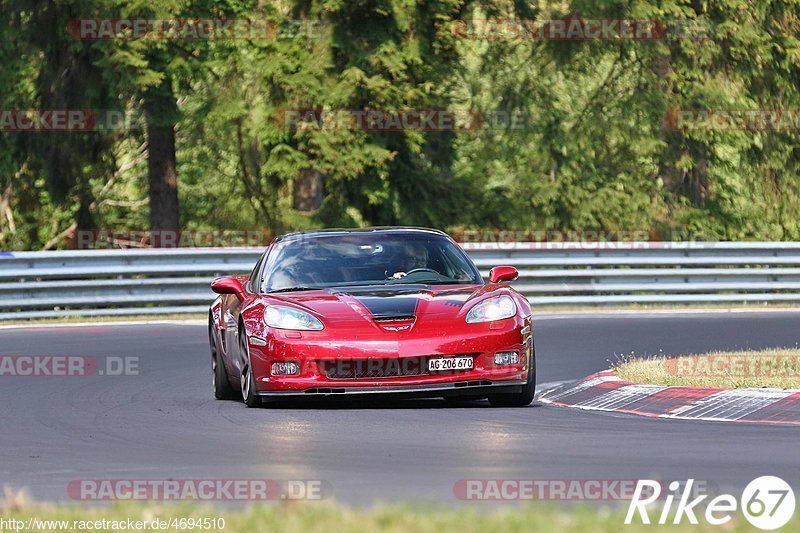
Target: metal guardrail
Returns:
[[169, 281]]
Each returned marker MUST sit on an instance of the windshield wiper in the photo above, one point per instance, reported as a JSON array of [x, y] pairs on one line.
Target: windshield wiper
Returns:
[[290, 289]]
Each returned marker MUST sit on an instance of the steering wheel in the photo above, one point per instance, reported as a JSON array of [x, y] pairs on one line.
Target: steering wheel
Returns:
[[422, 270]]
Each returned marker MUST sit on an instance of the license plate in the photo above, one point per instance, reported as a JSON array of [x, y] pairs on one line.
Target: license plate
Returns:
[[449, 363]]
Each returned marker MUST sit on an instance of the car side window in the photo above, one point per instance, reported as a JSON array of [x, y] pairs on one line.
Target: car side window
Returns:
[[255, 275]]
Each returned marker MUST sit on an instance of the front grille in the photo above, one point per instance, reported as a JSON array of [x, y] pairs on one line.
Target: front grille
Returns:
[[380, 368]]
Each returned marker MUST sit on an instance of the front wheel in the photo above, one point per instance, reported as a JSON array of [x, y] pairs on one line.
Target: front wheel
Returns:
[[519, 399], [222, 386], [247, 380]]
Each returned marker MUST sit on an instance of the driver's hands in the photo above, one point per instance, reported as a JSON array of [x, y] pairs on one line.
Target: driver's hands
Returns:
[[398, 275]]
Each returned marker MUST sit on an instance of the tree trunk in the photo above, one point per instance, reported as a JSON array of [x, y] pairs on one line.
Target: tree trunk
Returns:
[[162, 166], [308, 190]]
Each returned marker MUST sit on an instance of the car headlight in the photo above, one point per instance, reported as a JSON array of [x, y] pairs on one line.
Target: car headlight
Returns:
[[492, 309], [280, 317]]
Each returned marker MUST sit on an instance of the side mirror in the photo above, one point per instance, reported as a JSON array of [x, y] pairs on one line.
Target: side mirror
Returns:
[[503, 273], [228, 286]]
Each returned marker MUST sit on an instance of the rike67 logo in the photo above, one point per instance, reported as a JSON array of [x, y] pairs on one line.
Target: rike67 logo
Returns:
[[767, 503]]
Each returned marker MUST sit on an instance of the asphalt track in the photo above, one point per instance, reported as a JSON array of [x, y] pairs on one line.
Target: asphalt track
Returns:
[[165, 424]]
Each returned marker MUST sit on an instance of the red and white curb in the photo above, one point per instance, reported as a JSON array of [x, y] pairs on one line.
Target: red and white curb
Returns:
[[605, 391]]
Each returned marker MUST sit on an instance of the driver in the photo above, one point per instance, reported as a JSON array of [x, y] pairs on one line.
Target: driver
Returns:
[[413, 255]]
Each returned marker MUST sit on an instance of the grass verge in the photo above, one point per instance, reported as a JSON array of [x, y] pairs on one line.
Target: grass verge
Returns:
[[774, 368], [326, 517]]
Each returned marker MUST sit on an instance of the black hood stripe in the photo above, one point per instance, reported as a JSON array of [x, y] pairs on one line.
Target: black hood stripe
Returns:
[[389, 306], [401, 301], [387, 302]]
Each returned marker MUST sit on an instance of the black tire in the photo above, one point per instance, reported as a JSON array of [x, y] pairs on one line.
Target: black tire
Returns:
[[222, 385], [519, 399], [247, 381]]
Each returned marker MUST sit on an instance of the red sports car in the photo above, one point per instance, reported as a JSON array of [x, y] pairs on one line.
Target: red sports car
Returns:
[[364, 311]]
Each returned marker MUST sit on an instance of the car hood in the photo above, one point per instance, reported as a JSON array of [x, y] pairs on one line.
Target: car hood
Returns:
[[383, 303]]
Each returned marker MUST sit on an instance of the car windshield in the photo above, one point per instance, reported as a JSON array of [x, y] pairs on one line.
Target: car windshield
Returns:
[[369, 258]]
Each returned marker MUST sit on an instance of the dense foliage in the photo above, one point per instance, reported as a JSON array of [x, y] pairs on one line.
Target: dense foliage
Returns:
[[593, 148]]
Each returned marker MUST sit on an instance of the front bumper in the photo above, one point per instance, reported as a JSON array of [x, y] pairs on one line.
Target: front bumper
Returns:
[[314, 351]]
